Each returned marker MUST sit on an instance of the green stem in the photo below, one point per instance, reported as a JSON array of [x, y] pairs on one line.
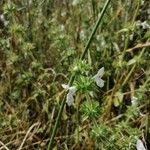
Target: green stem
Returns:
[[132, 69], [95, 29], [30, 38], [73, 75]]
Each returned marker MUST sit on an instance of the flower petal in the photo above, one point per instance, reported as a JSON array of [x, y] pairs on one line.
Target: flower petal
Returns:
[[99, 82], [139, 145], [100, 72], [72, 89], [134, 101], [70, 99], [65, 86]]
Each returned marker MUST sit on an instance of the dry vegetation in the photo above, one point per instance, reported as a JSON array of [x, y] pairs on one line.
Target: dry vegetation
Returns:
[[41, 44]]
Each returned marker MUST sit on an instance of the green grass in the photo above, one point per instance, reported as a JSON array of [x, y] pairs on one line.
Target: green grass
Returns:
[[45, 44]]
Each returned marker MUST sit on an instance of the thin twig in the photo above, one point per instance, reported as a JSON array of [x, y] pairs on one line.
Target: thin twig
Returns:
[[4, 145], [28, 132], [138, 46]]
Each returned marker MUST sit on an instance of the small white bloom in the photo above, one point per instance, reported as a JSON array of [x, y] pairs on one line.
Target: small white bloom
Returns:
[[138, 23], [142, 2], [71, 90], [131, 37], [144, 24], [140, 145], [103, 42], [98, 77], [134, 101], [91, 93], [2, 18], [63, 14], [70, 99], [82, 34], [62, 27], [74, 2], [122, 37], [30, 2]]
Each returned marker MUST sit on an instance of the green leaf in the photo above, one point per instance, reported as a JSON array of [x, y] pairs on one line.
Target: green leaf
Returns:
[[90, 109], [131, 62]]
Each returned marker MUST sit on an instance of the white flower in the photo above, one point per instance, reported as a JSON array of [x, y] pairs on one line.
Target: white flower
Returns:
[[131, 37], [98, 77], [62, 27], [139, 145], [134, 101], [142, 2], [144, 24], [2, 18], [63, 14], [75, 2], [71, 90], [91, 93], [82, 34], [30, 2]]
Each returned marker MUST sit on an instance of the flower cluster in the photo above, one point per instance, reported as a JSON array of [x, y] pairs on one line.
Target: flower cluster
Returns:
[[71, 90]]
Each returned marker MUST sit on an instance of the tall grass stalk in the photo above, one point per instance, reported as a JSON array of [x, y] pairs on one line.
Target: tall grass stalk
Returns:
[[73, 75]]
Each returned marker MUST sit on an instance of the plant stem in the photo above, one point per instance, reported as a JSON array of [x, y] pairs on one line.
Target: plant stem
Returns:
[[73, 75], [132, 69], [95, 29]]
